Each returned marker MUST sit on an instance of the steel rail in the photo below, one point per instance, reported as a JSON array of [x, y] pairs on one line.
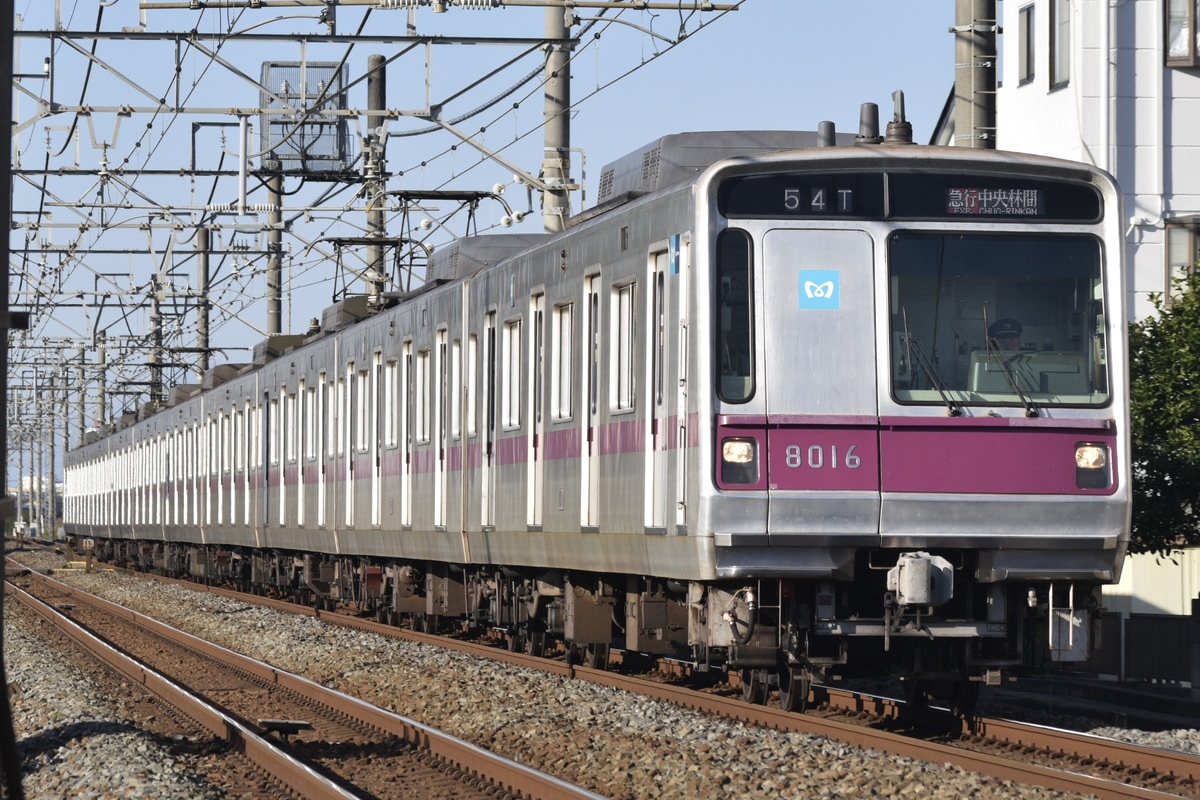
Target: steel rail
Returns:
[[1179, 765], [513, 776], [299, 778]]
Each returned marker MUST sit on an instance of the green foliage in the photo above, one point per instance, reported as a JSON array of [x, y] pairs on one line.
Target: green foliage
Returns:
[[1165, 409]]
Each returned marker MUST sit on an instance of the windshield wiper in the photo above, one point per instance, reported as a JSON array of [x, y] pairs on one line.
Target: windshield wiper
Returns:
[[1031, 409], [935, 380]]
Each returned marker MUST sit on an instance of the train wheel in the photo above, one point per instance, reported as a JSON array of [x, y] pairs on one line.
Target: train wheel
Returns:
[[597, 656], [794, 684], [516, 643], [536, 645], [755, 688]]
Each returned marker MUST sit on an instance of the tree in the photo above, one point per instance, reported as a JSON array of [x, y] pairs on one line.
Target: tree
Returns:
[[1164, 372]]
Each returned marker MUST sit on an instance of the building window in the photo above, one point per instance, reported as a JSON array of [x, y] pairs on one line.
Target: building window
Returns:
[[1060, 43], [1025, 45], [1181, 32], [1183, 253]]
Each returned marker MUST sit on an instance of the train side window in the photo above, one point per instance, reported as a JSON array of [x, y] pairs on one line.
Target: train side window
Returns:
[[363, 414], [511, 375], [734, 299], [624, 335], [421, 397], [310, 427], [455, 398], [273, 417], [562, 373], [327, 400], [472, 378], [441, 388], [391, 384], [292, 427], [343, 404]]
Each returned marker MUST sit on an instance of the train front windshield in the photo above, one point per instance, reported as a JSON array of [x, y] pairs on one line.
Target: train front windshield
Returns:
[[997, 319]]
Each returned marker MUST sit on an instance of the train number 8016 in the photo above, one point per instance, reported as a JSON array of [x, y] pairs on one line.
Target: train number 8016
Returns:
[[814, 457]]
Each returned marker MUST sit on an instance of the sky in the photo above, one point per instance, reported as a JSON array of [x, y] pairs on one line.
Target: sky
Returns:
[[771, 64], [783, 64]]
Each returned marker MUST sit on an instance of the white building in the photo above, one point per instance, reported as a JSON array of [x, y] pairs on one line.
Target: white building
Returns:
[[1120, 90], [1116, 83]]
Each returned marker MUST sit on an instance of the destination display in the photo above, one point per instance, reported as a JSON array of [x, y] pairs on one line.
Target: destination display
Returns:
[[908, 195]]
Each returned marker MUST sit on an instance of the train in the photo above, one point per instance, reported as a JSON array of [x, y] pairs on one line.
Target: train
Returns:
[[793, 406]]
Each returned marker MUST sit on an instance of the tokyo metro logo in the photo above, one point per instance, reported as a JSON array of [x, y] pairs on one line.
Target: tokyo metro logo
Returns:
[[820, 289]]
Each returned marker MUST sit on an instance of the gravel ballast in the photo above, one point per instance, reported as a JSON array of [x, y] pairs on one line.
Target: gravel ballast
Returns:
[[616, 744]]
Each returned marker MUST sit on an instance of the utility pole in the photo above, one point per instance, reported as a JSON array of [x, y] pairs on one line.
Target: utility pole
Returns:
[[156, 341], [556, 161], [81, 396], [101, 379], [975, 29], [202, 303], [376, 167], [274, 247]]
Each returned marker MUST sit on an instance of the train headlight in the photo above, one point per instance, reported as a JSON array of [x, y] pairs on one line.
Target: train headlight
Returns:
[[739, 461], [1091, 466]]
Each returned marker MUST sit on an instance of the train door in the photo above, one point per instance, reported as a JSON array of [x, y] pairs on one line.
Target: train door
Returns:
[[406, 436], [350, 447], [287, 447], [441, 394], [269, 411], [376, 448], [655, 498], [818, 378], [537, 423], [325, 422], [301, 423], [487, 509], [589, 483], [683, 266]]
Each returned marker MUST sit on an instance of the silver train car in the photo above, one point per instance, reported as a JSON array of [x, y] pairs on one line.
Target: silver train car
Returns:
[[791, 411]]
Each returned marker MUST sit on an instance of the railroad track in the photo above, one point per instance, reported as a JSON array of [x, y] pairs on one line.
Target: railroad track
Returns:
[[314, 742], [1060, 760]]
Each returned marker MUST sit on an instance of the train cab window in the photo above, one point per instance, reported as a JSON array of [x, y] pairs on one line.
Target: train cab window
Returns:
[[734, 315], [997, 319]]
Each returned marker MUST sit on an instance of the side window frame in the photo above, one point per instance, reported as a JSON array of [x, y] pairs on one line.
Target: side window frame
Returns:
[[1026, 45], [1179, 28]]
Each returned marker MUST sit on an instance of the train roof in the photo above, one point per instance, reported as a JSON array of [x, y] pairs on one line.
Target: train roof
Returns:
[[466, 256], [677, 157]]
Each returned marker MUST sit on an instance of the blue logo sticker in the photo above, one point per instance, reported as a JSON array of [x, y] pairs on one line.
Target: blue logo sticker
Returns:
[[820, 289]]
